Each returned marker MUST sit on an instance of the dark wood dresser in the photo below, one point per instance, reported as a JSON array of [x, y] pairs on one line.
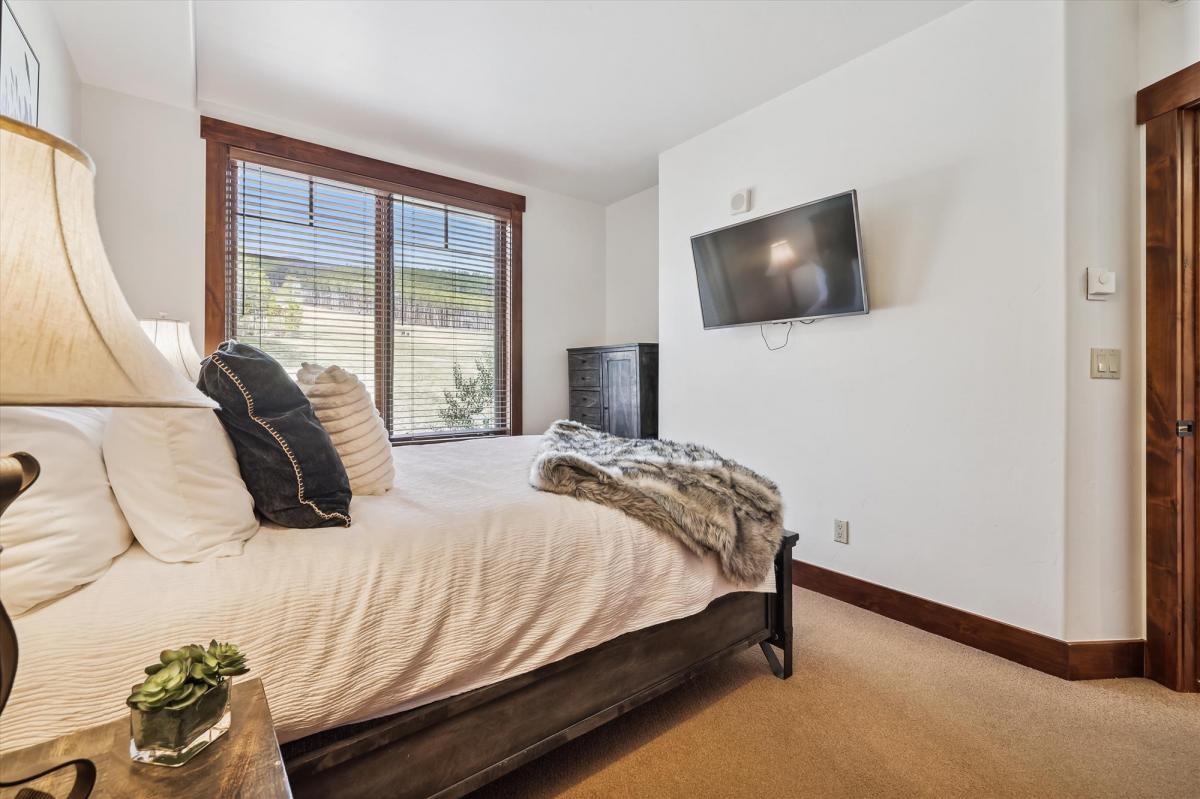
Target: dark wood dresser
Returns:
[[615, 388]]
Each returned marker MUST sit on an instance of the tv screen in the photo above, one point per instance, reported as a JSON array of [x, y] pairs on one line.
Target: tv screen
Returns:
[[802, 263]]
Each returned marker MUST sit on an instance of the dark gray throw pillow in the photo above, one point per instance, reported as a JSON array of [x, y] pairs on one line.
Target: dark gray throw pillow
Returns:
[[286, 458]]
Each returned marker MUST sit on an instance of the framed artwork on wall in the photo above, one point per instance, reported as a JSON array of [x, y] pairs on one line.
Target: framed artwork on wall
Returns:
[[19, 70]]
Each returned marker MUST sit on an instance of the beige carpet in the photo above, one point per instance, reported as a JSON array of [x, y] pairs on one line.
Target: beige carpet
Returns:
[[879, 709]]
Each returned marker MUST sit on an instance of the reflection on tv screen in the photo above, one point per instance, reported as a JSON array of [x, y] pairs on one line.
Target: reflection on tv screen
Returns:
[[796, 264]]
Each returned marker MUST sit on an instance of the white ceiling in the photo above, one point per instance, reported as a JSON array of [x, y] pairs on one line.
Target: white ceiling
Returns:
[[575, 97], [145, 49]]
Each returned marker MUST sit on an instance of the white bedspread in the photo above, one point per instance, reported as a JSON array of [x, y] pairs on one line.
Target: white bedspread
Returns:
[[460, 576]]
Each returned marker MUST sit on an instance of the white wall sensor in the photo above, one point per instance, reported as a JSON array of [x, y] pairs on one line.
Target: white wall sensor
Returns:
[[1100, 283], [740, 202]]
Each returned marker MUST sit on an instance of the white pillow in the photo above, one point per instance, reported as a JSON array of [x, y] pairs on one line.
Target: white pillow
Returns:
[[348, 414], [176, 476], [64, 531]]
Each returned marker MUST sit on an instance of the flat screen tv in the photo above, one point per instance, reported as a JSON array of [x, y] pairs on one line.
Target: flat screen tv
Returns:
[[795, 265]]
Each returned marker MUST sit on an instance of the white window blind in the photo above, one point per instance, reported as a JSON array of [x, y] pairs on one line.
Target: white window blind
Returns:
[[409, 294]]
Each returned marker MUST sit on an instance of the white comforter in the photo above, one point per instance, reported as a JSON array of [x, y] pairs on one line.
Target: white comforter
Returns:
[[460, 576]]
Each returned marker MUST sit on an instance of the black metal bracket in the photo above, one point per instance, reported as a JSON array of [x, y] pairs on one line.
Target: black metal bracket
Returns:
[[777, 668], [81, 786], [779, 611]]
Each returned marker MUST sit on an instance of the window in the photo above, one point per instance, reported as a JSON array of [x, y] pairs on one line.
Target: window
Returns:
[[407, 279]]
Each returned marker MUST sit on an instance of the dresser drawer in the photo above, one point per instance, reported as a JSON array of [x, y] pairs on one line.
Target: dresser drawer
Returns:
[[583, 360], [588, 416], [584, 378], [582, 398]]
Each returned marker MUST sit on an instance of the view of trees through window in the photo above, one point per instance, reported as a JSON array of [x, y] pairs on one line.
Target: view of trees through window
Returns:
[[405, 293]]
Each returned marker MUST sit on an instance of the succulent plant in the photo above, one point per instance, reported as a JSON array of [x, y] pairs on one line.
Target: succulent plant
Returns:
[[184, 675], [230, 662]]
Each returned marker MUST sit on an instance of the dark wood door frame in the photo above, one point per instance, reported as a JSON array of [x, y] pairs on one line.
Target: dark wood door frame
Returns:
[[1170, 110]]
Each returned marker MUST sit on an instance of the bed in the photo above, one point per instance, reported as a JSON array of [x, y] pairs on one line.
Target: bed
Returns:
[[462, 626]]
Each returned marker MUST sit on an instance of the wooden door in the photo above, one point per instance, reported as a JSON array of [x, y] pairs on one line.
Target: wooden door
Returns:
[[1169, 111], [1189, 380], [1190, 384], [619, 393]]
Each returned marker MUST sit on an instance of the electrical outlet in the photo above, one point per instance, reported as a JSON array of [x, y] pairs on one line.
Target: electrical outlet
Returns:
[[841, 531]]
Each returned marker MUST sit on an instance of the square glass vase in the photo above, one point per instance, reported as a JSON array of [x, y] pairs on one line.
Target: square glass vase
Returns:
[[173, 737]]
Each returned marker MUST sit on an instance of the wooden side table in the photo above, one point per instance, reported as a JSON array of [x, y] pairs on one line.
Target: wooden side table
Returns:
[[244, 762]]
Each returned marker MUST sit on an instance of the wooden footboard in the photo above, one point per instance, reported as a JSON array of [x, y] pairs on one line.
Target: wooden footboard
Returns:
[[451, 747]]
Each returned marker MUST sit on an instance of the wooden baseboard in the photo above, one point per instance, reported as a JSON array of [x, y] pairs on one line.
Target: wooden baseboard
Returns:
[[1081, 660], [1101, 660]]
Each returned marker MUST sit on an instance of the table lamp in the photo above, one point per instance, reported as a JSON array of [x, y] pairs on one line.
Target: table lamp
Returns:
[[173, 338], [67, 335]]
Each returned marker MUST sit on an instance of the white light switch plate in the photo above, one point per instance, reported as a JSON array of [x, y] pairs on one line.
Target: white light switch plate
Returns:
[[1100, 283], [1106, 364]]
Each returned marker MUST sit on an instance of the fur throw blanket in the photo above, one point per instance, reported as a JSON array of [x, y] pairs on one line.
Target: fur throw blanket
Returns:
[[709, 503]]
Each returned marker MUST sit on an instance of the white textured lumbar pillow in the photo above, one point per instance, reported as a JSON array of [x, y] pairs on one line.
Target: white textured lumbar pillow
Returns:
[[176, 476], [345, 409], [65, 530]]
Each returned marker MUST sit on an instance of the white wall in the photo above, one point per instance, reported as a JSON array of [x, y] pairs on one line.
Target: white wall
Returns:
[[1168, 38], [150, 201], [150, 164], [936, 424], [631, 268], [954, 426], [1104, 546], [58, 101]]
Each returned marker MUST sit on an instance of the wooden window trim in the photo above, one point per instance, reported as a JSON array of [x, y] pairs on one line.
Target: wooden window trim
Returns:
[[1170, 110], [414, 181], [227, 141]]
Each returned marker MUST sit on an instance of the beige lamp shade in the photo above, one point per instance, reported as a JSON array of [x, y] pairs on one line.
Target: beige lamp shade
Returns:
[[67, 336], [173, 338]]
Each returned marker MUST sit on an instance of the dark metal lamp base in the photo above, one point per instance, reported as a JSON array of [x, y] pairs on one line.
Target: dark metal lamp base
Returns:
[[17, 473]]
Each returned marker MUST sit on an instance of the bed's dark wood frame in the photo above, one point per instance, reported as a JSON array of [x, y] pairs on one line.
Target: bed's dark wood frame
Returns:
[[451, 747]]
